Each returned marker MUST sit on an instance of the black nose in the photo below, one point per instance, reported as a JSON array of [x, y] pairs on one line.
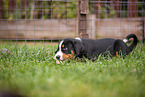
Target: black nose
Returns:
[[58, 56]]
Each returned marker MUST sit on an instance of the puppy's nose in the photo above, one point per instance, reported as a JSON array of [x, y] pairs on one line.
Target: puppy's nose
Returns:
[[58, 57]]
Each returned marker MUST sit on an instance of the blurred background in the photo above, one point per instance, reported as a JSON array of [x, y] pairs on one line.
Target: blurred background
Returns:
[[57, 19]]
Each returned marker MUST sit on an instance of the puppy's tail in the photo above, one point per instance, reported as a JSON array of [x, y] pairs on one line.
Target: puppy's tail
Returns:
[[134, 43]]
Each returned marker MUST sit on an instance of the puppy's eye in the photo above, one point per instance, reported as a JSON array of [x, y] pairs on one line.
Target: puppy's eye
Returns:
[[65, 49]]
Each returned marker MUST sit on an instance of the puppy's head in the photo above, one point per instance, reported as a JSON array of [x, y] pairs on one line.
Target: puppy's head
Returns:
[[68, 48]]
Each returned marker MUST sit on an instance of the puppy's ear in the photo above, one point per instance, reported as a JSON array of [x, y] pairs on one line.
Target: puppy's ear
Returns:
[[56, 51], [79, 47]]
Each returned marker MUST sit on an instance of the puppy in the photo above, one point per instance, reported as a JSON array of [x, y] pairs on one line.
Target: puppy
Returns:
[[91, 49]]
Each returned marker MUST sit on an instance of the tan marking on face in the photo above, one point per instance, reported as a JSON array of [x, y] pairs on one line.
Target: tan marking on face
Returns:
[[117, 55], [68, 56], [62, 45]]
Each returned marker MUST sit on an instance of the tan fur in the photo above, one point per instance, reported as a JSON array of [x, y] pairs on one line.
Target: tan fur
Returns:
[[68, 56], [62, 45], [117, 55]]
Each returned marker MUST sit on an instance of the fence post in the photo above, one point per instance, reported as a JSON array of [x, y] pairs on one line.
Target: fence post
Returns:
[[1, 9], [12, 5], [143, 29], [132, 8], [116, 6], [83, 10]]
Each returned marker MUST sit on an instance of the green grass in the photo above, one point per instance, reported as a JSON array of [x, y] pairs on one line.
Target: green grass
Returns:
[[31, 71]]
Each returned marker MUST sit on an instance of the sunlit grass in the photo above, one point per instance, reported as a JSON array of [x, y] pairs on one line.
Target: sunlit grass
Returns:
[[31, 71]]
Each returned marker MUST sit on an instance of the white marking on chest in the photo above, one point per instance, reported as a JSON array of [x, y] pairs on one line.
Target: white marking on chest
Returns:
[[59, 53]]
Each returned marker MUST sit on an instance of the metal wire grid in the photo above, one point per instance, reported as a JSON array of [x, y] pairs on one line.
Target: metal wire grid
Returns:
[[93, 3], [106, 12], [41, 20]]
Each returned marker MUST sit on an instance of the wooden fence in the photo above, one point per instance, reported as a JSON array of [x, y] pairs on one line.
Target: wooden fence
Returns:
[[80, 26]]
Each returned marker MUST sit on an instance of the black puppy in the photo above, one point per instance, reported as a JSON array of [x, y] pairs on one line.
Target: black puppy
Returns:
[[91, 49]]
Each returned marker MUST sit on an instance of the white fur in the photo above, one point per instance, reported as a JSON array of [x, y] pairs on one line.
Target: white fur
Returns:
[[59, 52], [78, 38], [125, 40]]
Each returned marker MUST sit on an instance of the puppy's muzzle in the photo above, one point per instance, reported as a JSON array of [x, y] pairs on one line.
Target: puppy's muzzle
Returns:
[[58, 57]]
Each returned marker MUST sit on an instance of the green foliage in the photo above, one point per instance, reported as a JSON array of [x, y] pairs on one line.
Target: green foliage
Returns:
[[63, 10], [107, 12], [41, 10], [142, 9], [32, 71], [5, 8], [59, 10]]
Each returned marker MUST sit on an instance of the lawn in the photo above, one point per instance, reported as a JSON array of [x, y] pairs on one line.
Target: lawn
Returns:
[[31, 71]]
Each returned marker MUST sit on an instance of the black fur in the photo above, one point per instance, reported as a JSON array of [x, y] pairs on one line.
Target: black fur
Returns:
[[91, 49]]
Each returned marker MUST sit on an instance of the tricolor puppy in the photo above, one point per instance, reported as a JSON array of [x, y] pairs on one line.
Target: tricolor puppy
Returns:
[[91, 49]]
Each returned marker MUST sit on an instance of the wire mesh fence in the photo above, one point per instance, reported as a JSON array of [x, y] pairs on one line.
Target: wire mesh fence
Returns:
[[117, 18], [38, 19], [57, 19]]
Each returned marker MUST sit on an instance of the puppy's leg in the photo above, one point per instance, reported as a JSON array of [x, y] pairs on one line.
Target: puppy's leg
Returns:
[[117, 54], [119, 48]]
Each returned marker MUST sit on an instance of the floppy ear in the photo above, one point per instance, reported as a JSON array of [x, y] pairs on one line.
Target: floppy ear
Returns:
[[79, 47], [56, 51]]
